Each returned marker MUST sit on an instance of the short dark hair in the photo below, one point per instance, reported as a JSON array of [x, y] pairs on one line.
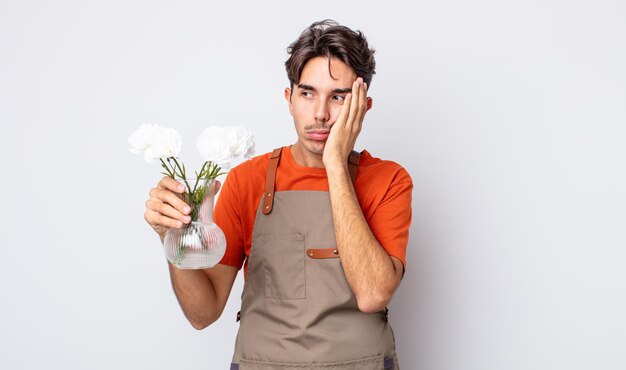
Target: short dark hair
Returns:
[[330, 39]]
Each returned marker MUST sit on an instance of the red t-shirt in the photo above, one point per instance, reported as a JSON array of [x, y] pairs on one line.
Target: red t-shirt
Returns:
[[383, 189]]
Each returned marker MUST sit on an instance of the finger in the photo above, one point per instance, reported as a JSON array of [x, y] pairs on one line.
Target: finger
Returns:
[[167, 196], [171, 184], [363, 98], [345, 110], [218, 186], [166, 210], [361, 109], [356, 92], [156, 219]]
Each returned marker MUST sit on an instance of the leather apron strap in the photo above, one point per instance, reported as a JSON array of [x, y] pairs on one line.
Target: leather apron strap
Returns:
[[270, 180], [353, 165], [270, 177]]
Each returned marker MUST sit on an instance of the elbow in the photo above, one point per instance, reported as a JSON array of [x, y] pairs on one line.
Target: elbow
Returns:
[[373, 303], [200, 323], [375, 297]]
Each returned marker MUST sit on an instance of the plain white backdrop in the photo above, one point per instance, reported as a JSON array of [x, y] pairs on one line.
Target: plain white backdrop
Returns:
[[509, 116]]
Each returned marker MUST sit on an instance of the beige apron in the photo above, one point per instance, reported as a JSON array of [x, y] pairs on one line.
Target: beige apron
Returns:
[[298, 311]]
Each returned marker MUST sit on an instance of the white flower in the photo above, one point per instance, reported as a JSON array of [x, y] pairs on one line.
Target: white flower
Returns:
[[223, 144], [244, 143], [155, 142]]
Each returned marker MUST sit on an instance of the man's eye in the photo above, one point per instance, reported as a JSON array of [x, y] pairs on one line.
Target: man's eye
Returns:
[[307, 94], [339, 98]]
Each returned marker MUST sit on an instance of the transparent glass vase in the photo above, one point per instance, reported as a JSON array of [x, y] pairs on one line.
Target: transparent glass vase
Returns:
[[201, 243]]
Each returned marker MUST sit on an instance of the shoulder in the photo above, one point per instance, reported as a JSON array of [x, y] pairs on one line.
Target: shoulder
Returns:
[[382, 171], [254, 166], [249, 176]]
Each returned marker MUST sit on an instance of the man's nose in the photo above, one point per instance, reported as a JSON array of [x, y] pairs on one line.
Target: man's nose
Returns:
[[322, 114]]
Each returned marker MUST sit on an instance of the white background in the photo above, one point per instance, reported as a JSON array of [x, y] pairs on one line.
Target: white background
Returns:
[[509, 116]]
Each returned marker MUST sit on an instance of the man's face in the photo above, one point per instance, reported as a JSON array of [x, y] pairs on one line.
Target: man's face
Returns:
[[316, 101]]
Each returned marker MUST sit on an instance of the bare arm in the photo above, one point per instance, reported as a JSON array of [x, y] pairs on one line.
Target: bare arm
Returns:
[[202, 294], [373, 275]]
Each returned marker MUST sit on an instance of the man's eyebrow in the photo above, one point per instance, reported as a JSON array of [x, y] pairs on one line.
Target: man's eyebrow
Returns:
[[336, 91], [342, 91], [306, 87]]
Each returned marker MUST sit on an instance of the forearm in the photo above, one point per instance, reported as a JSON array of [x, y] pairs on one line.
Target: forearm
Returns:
[[196, 295], [369, 270], [202, 294]]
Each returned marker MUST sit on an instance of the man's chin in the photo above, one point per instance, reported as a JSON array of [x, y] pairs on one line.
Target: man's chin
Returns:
[[312, 146], [317, 146]]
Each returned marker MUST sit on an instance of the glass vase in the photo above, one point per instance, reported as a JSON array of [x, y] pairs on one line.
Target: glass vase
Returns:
[[201, 243]]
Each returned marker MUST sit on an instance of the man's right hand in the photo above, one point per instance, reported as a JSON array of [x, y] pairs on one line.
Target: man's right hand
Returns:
[[165, 209]]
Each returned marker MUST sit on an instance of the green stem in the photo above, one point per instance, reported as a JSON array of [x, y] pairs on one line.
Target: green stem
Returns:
[[169, 173], [199, 176], [214, 171], [182, 173]]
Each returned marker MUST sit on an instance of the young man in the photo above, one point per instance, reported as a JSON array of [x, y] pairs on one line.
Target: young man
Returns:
[[323, 230]]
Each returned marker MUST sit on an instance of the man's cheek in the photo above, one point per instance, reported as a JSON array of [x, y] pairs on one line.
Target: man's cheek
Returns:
[[334, 115]]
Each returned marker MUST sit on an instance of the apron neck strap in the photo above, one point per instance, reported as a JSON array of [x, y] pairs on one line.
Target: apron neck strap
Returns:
[[353, 165], [270, 180], [270, 177]]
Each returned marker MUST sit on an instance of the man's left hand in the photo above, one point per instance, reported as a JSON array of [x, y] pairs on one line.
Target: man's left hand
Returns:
[[346, 129]]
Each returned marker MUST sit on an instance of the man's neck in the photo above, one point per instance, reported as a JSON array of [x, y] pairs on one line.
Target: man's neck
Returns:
[[306, 158]]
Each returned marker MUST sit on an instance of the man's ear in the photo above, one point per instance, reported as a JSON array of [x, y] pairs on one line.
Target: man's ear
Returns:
[[288, 99], [369, 103]]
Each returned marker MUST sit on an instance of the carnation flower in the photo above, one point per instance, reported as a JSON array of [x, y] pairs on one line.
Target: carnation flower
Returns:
[[219, 146], [222, 145], [155, 142]]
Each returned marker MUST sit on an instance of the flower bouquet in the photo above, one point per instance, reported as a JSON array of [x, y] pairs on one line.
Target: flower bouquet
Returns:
[[201, 243]]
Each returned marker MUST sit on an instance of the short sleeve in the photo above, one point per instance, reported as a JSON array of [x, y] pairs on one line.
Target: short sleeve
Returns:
[[391, 219], [227, 217]]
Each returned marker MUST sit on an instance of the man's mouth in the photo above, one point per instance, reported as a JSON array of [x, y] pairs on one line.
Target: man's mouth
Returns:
[[319, 135]]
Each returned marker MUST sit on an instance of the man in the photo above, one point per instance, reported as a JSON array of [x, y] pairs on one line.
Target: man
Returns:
[[322, 229]]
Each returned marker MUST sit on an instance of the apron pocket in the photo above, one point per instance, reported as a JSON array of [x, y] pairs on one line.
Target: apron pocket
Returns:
[[283, 264], [370, 363]]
